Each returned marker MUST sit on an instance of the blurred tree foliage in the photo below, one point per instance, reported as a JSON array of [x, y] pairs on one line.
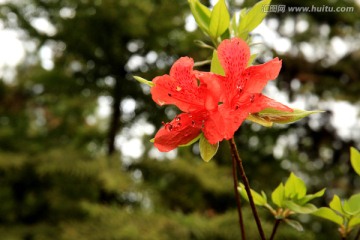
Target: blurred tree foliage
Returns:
[[60, 173]]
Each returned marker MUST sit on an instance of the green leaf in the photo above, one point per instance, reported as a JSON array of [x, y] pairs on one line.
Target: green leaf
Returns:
[[282, 117], [263, 194], [335, 204], [219, 19], [302, 209], [242, 32], [215, 65], [354, 221], [258, 199], [277, 196], [355, 160], [251, 19], [203, 45], [252, 58], [352, 206], [256, 119], [143, 80], [310, 197], [202, 63], [233, 25], [207, 150], [295, 187], [328, 214], [201, 14], [295, 224], [191, 141]]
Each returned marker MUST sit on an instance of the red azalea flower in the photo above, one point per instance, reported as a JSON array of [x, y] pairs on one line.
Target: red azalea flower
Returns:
[[197, 101], [239, 94], [241, 86]]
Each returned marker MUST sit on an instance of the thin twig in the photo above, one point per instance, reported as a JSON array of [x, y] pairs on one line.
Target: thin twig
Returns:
[[237, 195], [247, 187], [276, 225]]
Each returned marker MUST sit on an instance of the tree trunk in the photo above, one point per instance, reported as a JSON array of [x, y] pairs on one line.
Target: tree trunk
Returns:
[[115, 116]]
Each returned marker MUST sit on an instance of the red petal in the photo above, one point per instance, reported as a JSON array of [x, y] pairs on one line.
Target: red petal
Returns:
[[182, 71], [180, 88], [223, 124], [210, 85], [181, 130], [256, 77], [234, 55], [252, 103]]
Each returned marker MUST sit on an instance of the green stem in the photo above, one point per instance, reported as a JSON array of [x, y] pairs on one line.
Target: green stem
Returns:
[[277, 223], [235, 155], [238, 200]]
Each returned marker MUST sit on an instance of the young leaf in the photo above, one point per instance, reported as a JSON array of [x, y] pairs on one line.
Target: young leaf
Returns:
[[258, 199], [354, 221], [310, 197], [282, 117], [233, 25], [253, 17], [295, 224], [335, 204], [355, 159], [203, 45], [241, 31], [252, 58], [143, 80], [215, 65], [328, 214], [263, 194], [303, 209], [219, 20], [295, 187], [201, 14], [277, 196], [207, 150], [352, 206]]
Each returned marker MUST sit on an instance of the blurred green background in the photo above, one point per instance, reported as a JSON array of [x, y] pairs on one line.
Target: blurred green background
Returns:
[[75, 157]]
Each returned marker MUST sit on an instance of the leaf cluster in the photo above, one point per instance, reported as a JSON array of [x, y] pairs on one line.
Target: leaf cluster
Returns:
[[290, 198], [344, 213]]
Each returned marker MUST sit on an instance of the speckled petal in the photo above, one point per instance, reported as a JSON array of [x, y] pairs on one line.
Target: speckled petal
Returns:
[[256, 77]]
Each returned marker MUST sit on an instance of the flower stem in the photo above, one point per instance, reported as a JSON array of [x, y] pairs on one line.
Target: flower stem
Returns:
[[238, 200], [277, 223], [235, 155]]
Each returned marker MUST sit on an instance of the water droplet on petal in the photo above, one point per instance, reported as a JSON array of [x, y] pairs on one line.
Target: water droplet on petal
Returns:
[[168, 127], [239, 88], [252, 98], [236, 107], [161, 102], [193, 123], [178, 88], [169, 94], [177, 119]]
